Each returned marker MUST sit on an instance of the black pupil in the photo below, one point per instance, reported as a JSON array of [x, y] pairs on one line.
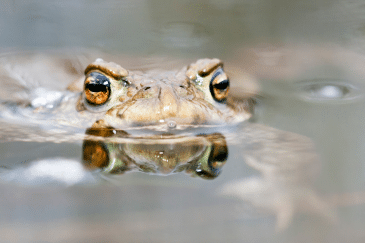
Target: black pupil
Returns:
[[99, 84], [222, 85], [96, 87], [221, 157]]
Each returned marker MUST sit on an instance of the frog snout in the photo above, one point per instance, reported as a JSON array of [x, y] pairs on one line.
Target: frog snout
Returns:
[[162, 97], [168, 101]]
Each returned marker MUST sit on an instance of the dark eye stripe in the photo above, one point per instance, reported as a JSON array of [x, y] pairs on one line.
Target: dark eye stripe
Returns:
[[96, 87], [222, 85], [99, 81]]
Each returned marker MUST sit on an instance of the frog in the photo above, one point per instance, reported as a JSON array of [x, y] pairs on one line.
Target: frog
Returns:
[[197, 95], [110, 102], [104, 94]]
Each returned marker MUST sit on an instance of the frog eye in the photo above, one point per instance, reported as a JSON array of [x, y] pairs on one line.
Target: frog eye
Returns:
[[219, 85], [218, 156], [96, 88]]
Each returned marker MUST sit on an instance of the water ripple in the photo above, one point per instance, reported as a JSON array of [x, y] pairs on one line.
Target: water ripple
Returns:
[[328, 91]]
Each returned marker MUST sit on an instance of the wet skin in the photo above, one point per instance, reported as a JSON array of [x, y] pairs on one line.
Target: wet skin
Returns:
[[196, 95]]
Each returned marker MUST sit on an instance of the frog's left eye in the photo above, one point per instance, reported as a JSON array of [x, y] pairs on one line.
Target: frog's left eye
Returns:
[[219, 85], [97, 88]]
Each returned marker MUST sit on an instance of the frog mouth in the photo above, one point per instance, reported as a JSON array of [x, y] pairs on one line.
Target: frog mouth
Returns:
[[190, 115], [162, 128]]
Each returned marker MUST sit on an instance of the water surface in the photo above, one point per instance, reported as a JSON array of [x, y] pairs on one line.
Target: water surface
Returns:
[[299, 176]]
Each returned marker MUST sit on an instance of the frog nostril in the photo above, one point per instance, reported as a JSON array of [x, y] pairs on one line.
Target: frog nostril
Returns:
[[147, 88]]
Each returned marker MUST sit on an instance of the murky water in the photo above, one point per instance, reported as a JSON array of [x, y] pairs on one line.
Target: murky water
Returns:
[[295, 172]]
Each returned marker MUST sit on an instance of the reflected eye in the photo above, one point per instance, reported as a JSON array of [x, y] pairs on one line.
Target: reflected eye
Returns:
[[95, 155], [219, 86], [97, 88], [219, 153], [218, 156]]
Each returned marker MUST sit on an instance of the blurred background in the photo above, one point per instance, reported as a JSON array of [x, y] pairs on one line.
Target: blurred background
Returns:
[[307, 58], [185, 28]]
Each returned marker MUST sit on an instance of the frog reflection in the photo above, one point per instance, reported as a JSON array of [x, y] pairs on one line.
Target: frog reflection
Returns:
[[118, 152]]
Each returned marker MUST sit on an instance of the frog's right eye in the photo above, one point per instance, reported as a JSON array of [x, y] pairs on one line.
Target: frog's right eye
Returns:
[[97, 88]]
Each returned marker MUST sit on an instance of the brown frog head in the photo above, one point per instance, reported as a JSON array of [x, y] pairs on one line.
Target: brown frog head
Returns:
[[196, 95]]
